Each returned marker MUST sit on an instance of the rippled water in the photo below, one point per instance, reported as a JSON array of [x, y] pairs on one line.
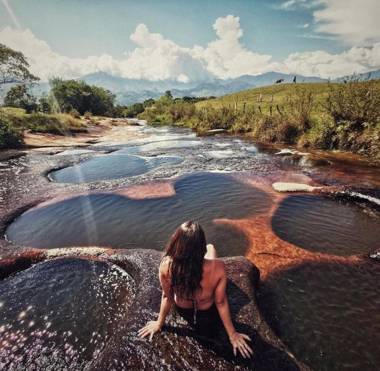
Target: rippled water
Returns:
[[106, 219], [323, 225], [60, 313], [328, 313]]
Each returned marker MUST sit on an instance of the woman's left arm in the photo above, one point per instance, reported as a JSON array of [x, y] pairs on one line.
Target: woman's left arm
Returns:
[[238, 341], [166, 303]]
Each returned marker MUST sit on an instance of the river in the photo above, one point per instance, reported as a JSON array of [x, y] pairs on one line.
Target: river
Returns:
[[319, 289]]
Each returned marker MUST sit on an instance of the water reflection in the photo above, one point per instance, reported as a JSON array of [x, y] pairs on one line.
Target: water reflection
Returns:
[[121, 222], [111, 166], [327, 313], [320, 224]]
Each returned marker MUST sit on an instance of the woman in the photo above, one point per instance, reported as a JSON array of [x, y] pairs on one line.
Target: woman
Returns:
[[194, 281]]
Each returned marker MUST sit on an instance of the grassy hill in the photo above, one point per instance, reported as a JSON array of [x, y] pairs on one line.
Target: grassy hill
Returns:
[[274, 95]]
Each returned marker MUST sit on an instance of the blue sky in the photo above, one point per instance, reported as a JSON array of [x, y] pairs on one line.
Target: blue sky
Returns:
[[91, 27], [299, 36]]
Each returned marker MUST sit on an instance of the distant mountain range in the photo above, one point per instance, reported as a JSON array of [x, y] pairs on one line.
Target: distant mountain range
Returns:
[[129, 91], [373, 75]]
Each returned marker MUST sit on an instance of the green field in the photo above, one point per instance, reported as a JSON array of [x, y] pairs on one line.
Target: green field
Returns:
[[273, 95]]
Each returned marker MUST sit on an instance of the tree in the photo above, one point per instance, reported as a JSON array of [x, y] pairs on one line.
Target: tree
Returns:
[[46, 104], [19, 96], [14, 68], [148, 102], [73, 94], [168, 94], [134, 109]]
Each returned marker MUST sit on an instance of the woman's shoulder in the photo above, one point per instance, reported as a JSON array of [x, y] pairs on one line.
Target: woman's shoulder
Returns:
[[217, 262], [216, 266], [165, 264]]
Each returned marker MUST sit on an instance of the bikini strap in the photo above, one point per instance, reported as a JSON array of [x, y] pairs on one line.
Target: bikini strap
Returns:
[[194, 312]]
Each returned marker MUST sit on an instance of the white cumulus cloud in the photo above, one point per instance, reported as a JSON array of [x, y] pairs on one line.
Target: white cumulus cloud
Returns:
[[158, 58], [227, 57], [323, 64], [46, 63], [355, 22]]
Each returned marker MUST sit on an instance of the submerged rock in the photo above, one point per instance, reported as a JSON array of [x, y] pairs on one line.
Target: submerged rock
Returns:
[[303, 159]]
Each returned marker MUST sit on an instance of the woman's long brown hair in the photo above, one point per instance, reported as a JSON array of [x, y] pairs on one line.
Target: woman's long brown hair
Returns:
[[186, 249]]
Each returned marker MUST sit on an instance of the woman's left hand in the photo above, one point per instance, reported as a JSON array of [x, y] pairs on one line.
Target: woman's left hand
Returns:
[[239, 343], [150, 329]]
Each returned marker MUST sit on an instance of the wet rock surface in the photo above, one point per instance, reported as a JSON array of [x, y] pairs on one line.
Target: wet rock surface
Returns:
[[89, 316], [61, 313], [178, 346], [23, 185]]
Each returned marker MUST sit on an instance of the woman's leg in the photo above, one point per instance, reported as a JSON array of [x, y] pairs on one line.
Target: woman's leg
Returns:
[[211, 252]]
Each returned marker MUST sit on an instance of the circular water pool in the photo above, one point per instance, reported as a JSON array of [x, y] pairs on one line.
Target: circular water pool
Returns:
[[324, 225]]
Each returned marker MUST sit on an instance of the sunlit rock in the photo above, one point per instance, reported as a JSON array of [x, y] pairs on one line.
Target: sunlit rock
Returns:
[[177, 346], [293, 187]]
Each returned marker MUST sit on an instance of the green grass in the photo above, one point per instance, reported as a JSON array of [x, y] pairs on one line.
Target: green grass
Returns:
[[14, 121], [312, 115], [271, 96], [12, 111]]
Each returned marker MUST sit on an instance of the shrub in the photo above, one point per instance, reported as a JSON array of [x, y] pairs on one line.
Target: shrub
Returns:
[[87, 115], [10, 137], [275, 128], [355, 102], [300, 107], [74, 113], [19, 96], [212, 118], [322, 134], [60, 124], [181, 111], [134, 109], [43, 123]]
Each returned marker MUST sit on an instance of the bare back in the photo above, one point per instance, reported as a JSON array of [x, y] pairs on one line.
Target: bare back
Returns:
[[213, 270]]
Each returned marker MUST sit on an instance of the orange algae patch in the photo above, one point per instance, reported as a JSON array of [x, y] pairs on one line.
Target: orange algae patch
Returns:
[[148, 190]]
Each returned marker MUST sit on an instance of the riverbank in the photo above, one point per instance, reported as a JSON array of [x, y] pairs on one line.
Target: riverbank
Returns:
[[21, 131], [344, 117]]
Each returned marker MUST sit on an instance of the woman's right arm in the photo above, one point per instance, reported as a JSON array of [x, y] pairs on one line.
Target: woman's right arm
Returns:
[[238, 341], [166, 303]]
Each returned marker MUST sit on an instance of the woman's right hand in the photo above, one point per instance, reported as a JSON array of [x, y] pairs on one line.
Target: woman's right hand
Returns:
[[239, 342], [150, 329]]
